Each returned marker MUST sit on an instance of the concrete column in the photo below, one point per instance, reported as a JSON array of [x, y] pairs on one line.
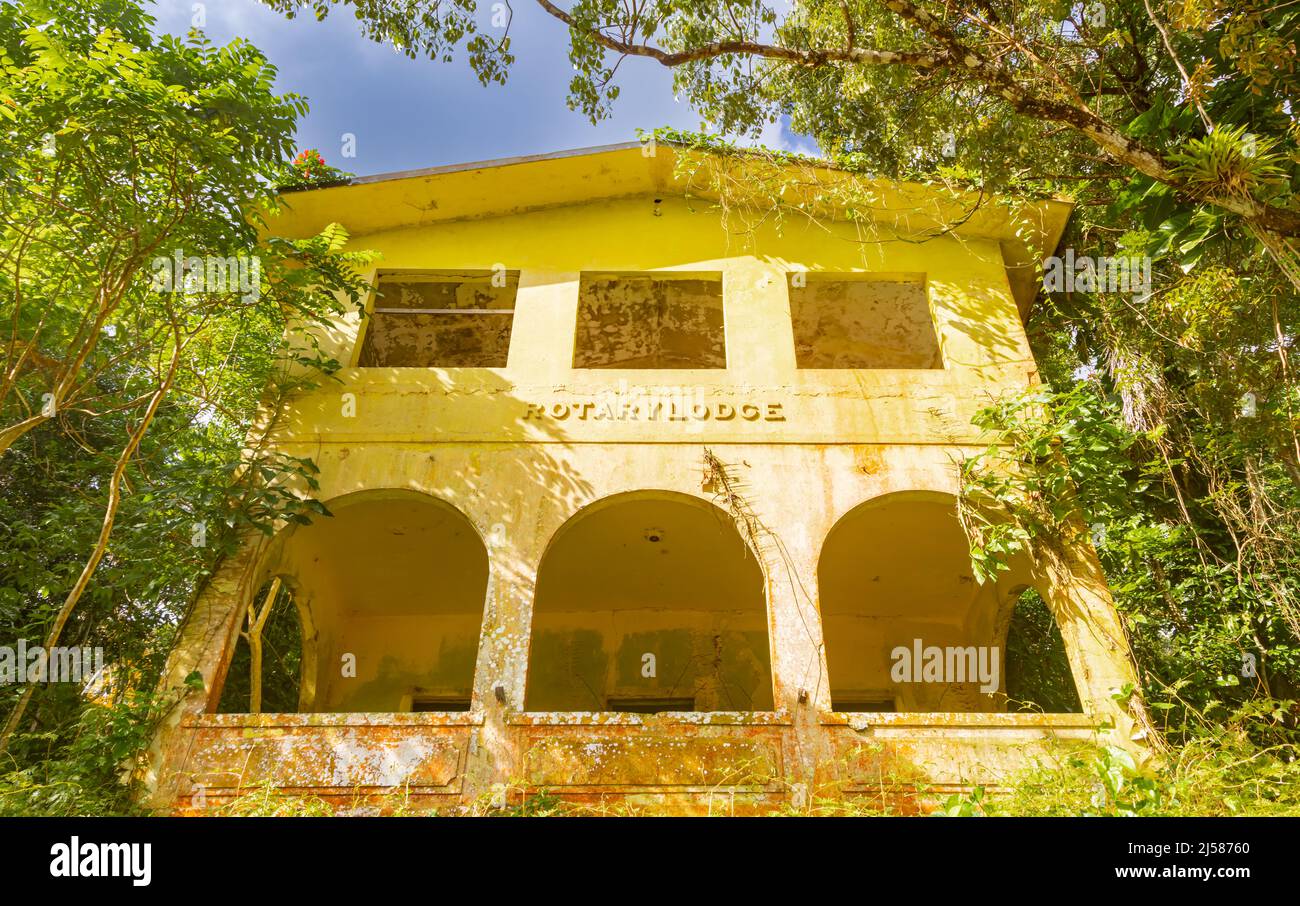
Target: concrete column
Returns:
[[501, 669], [542, 337], [1095, 642], [760, 335], [207, 642], [801, 685]]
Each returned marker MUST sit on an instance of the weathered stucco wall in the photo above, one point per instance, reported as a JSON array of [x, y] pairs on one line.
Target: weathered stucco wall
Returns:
[[522, 449], [862, 323], [458, 319], [636, 321]]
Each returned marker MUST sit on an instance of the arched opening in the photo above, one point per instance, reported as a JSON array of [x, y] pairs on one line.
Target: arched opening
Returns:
[[394, 584], [649, 601], [1038, 670], [906, 625]]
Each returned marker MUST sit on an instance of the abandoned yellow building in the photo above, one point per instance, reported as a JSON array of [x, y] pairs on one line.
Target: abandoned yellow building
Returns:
[[637, 508]]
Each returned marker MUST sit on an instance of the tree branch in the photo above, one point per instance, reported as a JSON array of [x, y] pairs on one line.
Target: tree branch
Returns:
[[915, 59], [952, 51]]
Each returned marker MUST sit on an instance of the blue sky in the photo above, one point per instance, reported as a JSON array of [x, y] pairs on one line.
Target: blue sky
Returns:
[[408, 113]]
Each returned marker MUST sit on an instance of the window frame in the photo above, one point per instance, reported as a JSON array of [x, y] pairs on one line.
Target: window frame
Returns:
[[811, 276], [712, 275], [370, 308]]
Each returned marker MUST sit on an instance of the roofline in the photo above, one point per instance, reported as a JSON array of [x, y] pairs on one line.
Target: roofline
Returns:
[[471, 165], [475, 181], [588, 151]]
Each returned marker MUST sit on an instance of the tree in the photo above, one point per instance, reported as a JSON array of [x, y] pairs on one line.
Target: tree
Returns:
[[136, 289]]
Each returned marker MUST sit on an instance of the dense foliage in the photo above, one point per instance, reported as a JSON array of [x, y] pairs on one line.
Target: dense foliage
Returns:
[[144, 323]]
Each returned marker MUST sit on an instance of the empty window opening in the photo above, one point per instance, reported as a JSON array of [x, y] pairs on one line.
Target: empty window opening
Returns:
[[904, 621], [646, 602], [634, 705], [862, 323], [1038, 670], [851, 703], [441, 320], [650, 321], [264, 674], [443, 703]]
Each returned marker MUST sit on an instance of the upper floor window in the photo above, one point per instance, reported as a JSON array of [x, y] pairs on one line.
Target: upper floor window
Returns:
[[659, 320], [847, 321], [451, 319]]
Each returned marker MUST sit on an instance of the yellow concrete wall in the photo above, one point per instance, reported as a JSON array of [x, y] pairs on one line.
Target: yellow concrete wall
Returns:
[[578, 659], [521, 450], [981, 338], [815, 429]]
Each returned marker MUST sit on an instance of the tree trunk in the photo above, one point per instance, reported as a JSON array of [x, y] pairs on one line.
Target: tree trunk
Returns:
[[256, 621], [101, 545]]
